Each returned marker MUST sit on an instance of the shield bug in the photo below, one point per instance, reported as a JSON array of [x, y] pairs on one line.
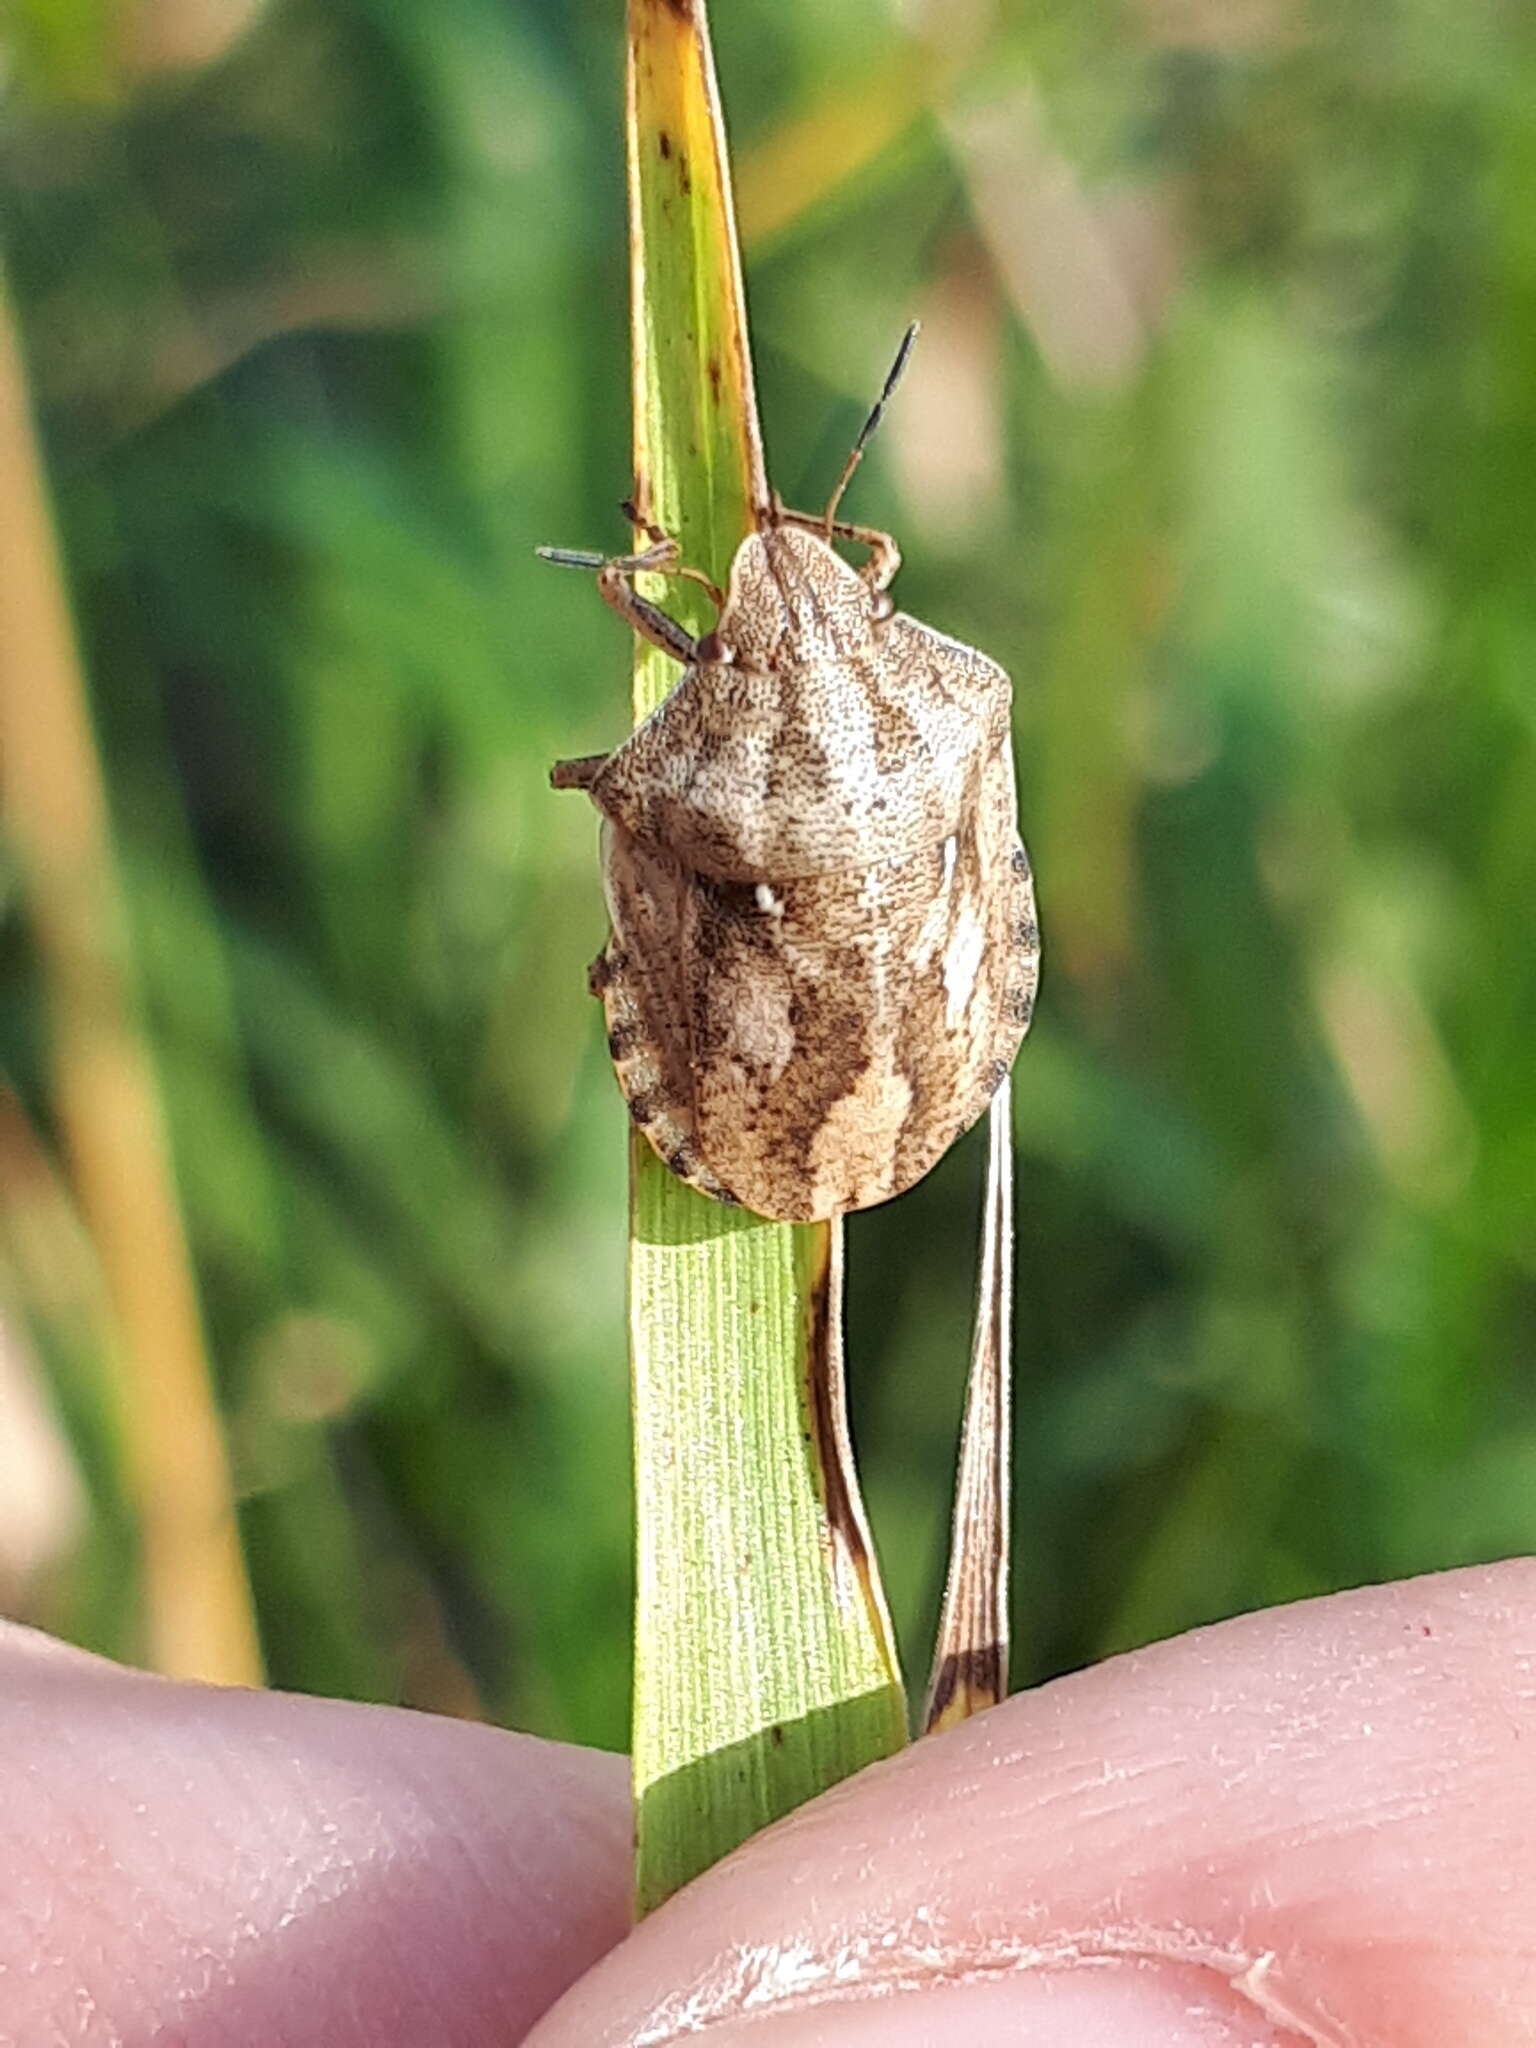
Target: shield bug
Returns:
[[824, 951]]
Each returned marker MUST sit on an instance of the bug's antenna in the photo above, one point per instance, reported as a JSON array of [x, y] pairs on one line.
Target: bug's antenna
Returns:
[[571, 558], [876, 414]]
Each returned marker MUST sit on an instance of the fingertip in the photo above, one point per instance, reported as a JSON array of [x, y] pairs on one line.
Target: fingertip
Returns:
[[1293, 1818], [254, 1866]]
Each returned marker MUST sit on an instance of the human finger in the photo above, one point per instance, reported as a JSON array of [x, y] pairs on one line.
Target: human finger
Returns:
[[217, 1867], [1311, 1825]]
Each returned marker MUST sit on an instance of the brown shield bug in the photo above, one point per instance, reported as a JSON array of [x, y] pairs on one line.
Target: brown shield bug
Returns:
[[824, 949]]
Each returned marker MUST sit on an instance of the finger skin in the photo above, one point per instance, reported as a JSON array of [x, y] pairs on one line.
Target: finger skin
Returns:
[[1313, 1825], [205, 1868]]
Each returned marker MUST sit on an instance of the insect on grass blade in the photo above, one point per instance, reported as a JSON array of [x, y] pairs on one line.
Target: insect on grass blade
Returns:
[[764, 1667]]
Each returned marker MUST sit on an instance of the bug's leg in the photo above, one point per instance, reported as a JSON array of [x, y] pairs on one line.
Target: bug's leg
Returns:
[[662, 555], [656, 535], [647, 619], [578, 774], [615, 588], [661, 559], [879, 572]]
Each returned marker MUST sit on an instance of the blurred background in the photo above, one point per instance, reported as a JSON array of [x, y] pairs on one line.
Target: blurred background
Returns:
[[1221, 435]]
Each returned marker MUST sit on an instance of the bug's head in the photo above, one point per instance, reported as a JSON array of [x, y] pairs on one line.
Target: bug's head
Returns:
[[794, 599]]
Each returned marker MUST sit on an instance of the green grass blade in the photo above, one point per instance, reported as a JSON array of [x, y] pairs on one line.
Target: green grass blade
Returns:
[[764, 1666]]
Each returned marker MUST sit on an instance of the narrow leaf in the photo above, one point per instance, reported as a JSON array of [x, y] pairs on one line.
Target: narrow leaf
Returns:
[[197, 1609], [970, 1659]]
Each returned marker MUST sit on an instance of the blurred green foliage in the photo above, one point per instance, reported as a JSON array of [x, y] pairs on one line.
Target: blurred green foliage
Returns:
[[1222, 436]]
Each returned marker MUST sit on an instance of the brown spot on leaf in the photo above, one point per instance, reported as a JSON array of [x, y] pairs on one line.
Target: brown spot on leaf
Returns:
[[664, 143], [970, 1679]]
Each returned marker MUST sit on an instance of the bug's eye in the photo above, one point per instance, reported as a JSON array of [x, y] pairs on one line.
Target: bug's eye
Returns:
[[711, 648], [882, 606]]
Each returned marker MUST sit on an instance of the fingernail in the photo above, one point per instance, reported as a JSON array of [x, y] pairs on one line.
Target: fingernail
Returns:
[[1098, 2005]]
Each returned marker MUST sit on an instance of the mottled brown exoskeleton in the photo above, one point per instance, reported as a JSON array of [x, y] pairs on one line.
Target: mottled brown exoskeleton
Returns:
[[824, 950]]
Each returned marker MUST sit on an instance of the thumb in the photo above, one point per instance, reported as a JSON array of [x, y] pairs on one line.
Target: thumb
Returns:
[[1313, 1825]]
